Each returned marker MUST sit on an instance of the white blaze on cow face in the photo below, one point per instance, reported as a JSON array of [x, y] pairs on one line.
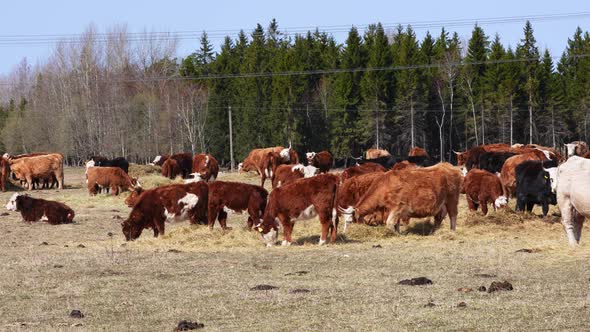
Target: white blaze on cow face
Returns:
[[11, 205], [501, 202], [310, 156], [552, 177], [270, 238], [285, 155], [156, 159], [348, 215], [89, 164], [464, 170], [571, 149]]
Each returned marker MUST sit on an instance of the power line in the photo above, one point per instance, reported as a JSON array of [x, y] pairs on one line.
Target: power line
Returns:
[[215, 34]]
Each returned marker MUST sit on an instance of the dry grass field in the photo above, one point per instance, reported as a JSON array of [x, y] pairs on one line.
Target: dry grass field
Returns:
[[191, 273]]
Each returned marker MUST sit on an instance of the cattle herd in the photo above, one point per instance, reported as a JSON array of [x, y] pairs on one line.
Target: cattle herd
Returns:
[[379, 189]]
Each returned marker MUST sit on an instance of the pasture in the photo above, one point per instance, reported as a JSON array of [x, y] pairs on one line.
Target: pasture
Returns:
[[191, 273]]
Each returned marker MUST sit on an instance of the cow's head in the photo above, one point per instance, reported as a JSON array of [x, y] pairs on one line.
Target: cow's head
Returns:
[[130, 230], [6, 156], [310, 156], [135, 183], [501, 202], [134, 197], [12, 202], [269, 230], [552, 177], [156, 160], [461, 157]]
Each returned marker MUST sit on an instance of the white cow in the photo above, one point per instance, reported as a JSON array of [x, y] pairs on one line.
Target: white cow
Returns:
[[571, 183]]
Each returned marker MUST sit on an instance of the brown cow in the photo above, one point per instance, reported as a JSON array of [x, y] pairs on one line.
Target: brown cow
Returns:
[[414, 193], [4, 173], [167, 203], [264, 161], [350, 192], [284, 174], [376, 153], [300, 200], [322, 160], [160, 159], [237, 197], [508, 173], [482, 187], [43, 166], [361, 169], [418, 152], [113, 178], [403, 165], [170, 169], [134, 196], [462, 157], [34, 209], [205, 167]]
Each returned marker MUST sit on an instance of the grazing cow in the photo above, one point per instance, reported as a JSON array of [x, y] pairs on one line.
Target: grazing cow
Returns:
[[350, 192], [35, 209], [205, 167], [237, 197], [322, 160], [376, 153], [173, 202], [413, 193], [160, 159], [171, 169], [43, 166], [301, 200], [533, 185], [508, 172], [288, 173], [263, 161], [418, 152], [120, 162], [571, 182], [113, 178], [132, 199], [482, 188], [493, 161], [576, 148], [361, 169], [185, 162]]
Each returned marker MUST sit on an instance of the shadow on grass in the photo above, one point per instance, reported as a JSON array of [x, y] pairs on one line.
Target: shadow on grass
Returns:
[[315, 239], [424, 228]]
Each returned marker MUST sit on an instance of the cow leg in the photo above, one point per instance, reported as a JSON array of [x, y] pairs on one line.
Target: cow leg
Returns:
[[545, 207], [439, 217], [334, 226], [567, 219], [223, 219], [212, 213], [159, 227], [484, 205], [578, 223], [114, 190], [287, 230], [30, 182], [471, 204], [390, 219], [529, 207], [326, 221]]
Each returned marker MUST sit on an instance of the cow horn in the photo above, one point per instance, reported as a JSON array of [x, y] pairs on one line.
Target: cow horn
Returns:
[[290, 145], [350, 210], [356, 158], [457, 152]]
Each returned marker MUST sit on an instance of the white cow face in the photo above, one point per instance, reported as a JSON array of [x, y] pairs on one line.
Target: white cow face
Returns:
[[156, 159], [310, 156], [571, 149], [11, 205], [552, 177], [285, 155], [501, 202]]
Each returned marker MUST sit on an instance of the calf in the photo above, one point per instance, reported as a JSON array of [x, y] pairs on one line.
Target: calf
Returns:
[[113, 178], [224, 196], [533, 185], [288, 173], [361, 169], [322, 160], [170, 169], [35, 209], [300, 200], [350, 192], [205, 167], [172, 202], [482, 188]]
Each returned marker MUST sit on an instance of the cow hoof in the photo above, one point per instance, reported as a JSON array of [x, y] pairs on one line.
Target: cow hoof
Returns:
[[268, 245], [286, 243], [322, 242]]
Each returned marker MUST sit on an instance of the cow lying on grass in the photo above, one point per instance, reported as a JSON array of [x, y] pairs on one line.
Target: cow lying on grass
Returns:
[[36, 209], [173, 202]]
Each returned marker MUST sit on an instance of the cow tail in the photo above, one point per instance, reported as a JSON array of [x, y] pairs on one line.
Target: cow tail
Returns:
[[334, 207]]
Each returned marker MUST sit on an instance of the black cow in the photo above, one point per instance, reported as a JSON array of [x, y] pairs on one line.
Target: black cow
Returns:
[[422, 161], [493, 161], [389, 161], [533, 185], [120, 162]]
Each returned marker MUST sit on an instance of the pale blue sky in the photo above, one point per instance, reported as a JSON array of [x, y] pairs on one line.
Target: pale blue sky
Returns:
[[72, 17]]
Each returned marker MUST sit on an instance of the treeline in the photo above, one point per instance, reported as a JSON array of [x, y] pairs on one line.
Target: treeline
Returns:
[[119, 95]]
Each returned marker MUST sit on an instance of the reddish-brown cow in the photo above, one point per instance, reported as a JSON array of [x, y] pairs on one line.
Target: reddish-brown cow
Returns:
[[205, 167], [35, 209], [170, 169], [300, 200], [284, 174], [418, 152], [362, 169], [322, 160], [167, 203], [482, 188], [113, 178], [237, 197], [350, 192]]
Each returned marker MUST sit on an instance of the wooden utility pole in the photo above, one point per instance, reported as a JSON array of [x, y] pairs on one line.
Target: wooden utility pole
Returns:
[[231, 141]]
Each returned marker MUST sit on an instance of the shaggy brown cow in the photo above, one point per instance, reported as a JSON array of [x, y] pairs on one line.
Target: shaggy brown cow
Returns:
[[462, 157], [300, 200], [35, 209], [418, 152], [237, 197], [284, 174], [205, 167], [113, 178], [361, 169], [43, 166], [170, 169], [376, 153], [160, 159], [414, 193], [350, 192], [264, 161], [322, 160], [134, 196], [167, 203], [482, 188], [508, 173]]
